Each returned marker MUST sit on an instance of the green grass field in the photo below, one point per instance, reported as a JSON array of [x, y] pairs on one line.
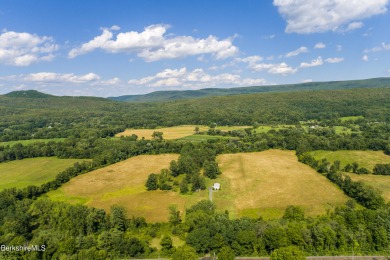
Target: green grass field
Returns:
[[26, 142], [32, 171], [253, 184], [267, 128], [366, 159], [350, 118], [381, 182]]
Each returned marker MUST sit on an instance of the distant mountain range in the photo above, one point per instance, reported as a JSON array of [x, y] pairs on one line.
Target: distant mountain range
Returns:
[[159, 96]]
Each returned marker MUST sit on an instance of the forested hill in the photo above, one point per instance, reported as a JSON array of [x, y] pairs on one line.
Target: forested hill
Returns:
[[28, 94], [188, 94]]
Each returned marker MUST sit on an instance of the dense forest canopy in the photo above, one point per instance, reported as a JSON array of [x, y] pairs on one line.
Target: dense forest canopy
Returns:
[[49, 117]]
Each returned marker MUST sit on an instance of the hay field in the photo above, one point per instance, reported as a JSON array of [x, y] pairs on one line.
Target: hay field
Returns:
[[174, 132], [32, 171], [381, 182], [123, 183], [366, 159], [265, 183]]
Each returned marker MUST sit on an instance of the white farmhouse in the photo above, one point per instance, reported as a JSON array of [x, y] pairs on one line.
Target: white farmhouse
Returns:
[[217, 186]]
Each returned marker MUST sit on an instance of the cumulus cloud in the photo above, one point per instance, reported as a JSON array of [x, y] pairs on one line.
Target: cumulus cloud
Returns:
[[319, 45], [365, 57], [153, 44], [313, 63], [50, 77], [23, 49], [195, 79], [296, 52], [273, 68], [334, 60], [308, 16], [382, 47]]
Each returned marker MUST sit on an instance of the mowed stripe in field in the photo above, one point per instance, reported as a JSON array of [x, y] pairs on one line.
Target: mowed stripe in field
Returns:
[[123, 183], [265, 183]]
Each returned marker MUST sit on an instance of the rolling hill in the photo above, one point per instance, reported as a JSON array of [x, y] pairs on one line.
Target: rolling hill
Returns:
[[207, 92]]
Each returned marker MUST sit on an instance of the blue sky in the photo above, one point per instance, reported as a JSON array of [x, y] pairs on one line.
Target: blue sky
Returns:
[[111, 48]]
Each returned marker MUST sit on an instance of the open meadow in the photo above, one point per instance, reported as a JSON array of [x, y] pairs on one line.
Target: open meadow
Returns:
[[32, 171], [366, 159], [175, 132], [123, 183], [265, 183], [253, 184], [381, 182]]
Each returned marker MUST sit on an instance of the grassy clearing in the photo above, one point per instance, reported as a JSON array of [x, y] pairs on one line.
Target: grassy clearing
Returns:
[[350, 118], [267, 128], [366, 159], [381, 182], [123, 183], [176, 242], [265, 183], [175, 132], [253, 185], [32, 171], [26, 142]]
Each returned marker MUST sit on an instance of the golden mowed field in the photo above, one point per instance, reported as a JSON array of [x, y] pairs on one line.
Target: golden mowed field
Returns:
[[265, 183], [123, 183], [252, 184], [174, 132]]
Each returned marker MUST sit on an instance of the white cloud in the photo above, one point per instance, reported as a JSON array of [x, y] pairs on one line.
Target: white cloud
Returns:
[[313, 63], [382, 47], [353, 26], [307, 80], [296, 52], [273, 68], [50, 77], [365, 57], [250, 59], [196, 79], [282, 68], [23, 49], [153, 44], [334, 60], [308, 16], [319, 45]]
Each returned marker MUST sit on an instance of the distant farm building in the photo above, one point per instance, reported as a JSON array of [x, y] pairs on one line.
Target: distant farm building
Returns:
[[217, 186]]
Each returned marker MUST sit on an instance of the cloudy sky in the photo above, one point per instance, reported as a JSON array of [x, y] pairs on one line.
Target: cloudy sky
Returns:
[[111, 48]]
